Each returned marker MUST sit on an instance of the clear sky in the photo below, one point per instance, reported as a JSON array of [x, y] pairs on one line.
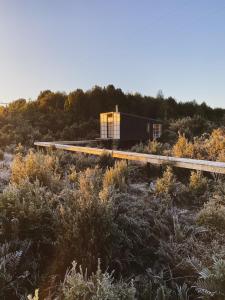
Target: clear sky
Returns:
[[174, 45]]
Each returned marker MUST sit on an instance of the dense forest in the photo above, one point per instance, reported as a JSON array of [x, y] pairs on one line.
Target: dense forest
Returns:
[[80, 227]]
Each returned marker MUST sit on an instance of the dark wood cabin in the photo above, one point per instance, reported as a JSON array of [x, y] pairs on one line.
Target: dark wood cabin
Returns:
[[128, 127]]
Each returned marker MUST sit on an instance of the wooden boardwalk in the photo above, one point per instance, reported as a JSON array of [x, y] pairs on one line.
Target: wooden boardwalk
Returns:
[[187, 163]]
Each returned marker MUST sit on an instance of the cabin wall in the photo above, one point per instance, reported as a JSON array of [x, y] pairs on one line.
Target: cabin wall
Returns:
[[125, 127], [134, 128]]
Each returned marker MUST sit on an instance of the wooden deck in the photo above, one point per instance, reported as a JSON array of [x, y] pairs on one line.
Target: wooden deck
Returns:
[[187, 163]]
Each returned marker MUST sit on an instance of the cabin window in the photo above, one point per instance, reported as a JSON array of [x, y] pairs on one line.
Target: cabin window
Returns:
[[110, 126], [116, 120], [157, 131], [103, 122]]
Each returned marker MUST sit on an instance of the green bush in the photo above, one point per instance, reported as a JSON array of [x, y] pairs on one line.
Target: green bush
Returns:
[[98, 286]]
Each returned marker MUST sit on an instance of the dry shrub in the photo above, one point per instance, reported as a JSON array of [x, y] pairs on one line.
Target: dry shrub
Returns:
[[212, 215], [183, 148], [85, 220], [116, 176], [197, 183], [105, 160], [167, 183], [27, 211], [73, 175], [20, 149], [216, 145], [206, 147], [114, 180], [90, 183], [99, 285], [36, 297], [154, 147], [139, 148], [36, 166], [80, 161]]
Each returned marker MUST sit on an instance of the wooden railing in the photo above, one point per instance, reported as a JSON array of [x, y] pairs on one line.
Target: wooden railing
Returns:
[[187, 163]]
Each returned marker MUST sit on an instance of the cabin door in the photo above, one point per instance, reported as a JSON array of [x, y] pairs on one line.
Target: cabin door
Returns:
[[110, 127]]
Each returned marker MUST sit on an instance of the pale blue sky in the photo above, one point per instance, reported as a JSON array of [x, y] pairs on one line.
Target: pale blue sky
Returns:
[[174, 45]]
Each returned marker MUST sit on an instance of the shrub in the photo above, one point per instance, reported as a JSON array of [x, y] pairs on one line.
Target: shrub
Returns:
[[191, 127], [154, 147], [27, 212], [211, 282], [85, 221], [105, 160], [17, 269], [216, 145], [183, 148], [116, 176], [90, 184], [73, 175], [167, 183], [133, 220], [20, 149], [36, 297], [197, 183], [1, 154], [210, 147], [114, 180], [212, 215], [139, 148], [100, 286], [36, 166], [79, 160]]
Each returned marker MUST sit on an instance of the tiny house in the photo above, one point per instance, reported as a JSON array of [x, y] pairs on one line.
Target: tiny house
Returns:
[[128, 127]]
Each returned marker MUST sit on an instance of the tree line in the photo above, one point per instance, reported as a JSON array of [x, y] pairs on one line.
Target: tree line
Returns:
[[76, 114]]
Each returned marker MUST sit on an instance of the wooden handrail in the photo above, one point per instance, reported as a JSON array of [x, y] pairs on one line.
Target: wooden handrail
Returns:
[[187, 163]]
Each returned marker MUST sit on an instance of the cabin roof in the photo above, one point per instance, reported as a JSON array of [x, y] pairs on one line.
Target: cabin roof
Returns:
[[135, 116]]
